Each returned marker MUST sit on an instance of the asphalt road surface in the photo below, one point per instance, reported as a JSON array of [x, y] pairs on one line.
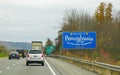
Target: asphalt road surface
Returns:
[[52, 67]]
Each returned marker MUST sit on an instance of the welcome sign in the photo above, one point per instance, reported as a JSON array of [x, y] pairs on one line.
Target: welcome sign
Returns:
[[78, 40]]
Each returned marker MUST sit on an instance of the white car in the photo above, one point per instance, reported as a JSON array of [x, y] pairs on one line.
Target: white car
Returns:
[[35, 56]]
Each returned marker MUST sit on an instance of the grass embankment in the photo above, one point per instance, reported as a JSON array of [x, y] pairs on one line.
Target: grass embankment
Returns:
[[3, 55]]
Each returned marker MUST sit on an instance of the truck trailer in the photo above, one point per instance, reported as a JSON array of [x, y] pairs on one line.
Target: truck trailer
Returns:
[[37, 45]]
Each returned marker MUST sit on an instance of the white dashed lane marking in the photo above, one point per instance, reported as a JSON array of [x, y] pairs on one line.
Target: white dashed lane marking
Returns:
[[7, 67], [0, 71], [17, 62], [13, 64]]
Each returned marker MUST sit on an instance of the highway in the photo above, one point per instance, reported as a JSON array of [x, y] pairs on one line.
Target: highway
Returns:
[[52, 67]]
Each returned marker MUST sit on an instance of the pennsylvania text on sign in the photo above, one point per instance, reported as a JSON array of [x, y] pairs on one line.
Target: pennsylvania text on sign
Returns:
[[79, 40]]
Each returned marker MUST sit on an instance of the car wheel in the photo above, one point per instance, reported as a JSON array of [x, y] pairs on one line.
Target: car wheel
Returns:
[[42, 63], [9, 58], [27, 63]]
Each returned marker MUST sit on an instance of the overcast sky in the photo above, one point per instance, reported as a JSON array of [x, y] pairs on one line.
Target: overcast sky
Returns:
[[27, 20]]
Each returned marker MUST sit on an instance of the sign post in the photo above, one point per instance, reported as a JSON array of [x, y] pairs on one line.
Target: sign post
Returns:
[[79, 40]]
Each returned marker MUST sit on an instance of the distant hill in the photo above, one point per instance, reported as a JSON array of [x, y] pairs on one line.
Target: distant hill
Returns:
[[16, 45]]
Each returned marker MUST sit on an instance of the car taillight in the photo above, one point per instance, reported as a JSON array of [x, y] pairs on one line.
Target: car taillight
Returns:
[[42, 55], [28, 55]]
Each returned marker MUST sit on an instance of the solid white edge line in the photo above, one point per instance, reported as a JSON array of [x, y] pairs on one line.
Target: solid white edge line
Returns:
[[50, 68]]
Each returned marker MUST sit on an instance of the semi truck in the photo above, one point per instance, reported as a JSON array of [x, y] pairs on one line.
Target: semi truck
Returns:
[[37, 45]]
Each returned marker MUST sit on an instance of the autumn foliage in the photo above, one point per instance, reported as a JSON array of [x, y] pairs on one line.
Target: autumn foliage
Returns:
[[103, 12], [104, 23]]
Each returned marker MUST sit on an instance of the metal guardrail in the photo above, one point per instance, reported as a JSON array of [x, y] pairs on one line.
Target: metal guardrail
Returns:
[[94, 63]]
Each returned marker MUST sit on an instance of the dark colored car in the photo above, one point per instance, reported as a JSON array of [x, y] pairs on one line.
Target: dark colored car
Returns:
[[14, 55]]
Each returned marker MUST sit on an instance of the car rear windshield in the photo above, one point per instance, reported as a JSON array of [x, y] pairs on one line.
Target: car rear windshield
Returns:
[[35, 52], [14, 52]]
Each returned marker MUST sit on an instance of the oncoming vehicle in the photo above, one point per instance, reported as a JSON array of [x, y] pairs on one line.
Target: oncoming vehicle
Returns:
[[35, 56], [13, 55]]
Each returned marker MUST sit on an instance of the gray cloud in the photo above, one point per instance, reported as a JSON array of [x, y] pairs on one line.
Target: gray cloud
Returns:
[[27, 20]]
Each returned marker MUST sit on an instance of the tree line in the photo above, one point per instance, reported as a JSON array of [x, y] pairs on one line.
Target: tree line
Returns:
[[104, 23]]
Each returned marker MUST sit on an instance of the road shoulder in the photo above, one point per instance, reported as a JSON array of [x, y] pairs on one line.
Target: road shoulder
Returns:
[[67, 68]]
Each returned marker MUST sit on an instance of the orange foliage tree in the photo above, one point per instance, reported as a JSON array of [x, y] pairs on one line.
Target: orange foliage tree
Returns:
[[108, 12], [99, 14], [103, 12]]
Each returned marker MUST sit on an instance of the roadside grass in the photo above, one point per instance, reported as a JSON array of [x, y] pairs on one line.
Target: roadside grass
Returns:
[[3, 55]]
